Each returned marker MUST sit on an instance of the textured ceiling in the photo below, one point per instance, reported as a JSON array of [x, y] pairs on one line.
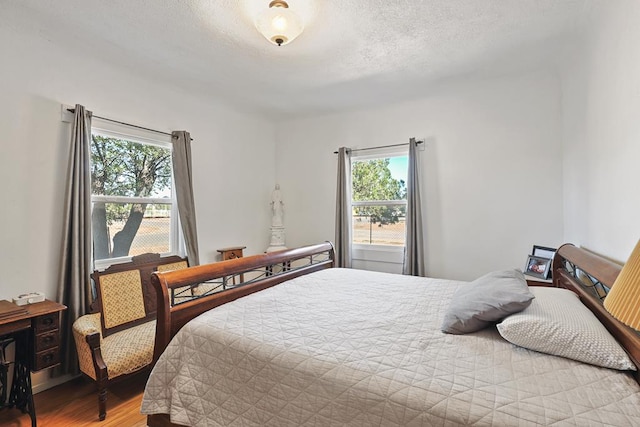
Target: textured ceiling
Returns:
[[352, 53]]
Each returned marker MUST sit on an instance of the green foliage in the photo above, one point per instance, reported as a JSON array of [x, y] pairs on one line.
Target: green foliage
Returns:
[[372, 180], [124, 168]]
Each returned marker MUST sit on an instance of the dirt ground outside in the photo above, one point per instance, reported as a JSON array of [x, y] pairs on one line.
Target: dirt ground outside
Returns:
[[154, 234], [373, 233]]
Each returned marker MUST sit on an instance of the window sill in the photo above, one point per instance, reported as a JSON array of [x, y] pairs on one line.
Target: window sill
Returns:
[[378, 253], [378, 248]]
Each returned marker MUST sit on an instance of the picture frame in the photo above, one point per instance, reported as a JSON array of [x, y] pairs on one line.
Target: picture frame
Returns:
[[543, 251], [537, 266]]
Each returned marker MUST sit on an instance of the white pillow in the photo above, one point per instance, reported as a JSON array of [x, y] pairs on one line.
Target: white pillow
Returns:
[[557, 323]]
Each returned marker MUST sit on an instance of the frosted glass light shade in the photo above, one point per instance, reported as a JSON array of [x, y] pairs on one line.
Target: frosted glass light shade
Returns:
[[623, 300], [278, 24]]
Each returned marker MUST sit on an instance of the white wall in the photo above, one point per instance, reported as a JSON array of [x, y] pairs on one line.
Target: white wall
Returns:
[[574, 100], [492, 170], [234, 166], [601, 122]]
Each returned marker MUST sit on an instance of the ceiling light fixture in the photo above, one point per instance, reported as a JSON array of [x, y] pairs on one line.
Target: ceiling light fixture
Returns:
[[278, 24]]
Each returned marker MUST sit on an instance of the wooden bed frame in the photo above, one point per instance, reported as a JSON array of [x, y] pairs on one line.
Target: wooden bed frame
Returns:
[[591, 276], [260, 271], [576, 269]]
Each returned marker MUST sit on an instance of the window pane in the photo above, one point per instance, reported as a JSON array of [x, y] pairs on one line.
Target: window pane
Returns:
[[126, 229], [380, 179], [379, 225], [126, 168]]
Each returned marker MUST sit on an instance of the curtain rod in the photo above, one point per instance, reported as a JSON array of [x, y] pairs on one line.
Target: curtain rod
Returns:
[[381, 146], [73, 110]]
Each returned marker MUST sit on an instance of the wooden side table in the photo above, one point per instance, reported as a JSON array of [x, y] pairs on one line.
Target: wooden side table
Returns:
[[535, 281], [232, 253]]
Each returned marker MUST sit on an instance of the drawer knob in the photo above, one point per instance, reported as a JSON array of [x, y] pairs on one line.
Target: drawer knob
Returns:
[[48, 358], [47, 321], [48, 339]]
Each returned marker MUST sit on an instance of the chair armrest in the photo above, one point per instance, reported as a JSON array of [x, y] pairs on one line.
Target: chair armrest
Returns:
[[87, 325], [88, 338]]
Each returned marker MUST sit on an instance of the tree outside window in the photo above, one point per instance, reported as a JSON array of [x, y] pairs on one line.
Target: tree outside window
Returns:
[[132, 198], [379, 199]]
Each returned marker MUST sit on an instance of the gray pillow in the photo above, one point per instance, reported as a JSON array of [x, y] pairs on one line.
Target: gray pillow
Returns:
[[486, 300]]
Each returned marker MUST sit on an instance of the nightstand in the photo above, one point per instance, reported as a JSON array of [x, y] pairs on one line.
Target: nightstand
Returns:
[[536, 281]]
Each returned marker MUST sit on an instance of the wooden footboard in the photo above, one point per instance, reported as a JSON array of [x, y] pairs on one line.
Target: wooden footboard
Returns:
[[175, 308], [591, 276]]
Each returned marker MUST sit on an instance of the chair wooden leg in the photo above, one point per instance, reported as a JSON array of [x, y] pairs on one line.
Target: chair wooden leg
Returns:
[[102, 375], [102, 403]]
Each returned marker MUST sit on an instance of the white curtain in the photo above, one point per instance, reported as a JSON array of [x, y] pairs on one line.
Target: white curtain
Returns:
[[343, 209], [414, 250], [182, 173], [74, 284]]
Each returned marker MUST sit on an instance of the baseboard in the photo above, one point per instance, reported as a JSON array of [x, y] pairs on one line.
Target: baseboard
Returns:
[[42, 384]]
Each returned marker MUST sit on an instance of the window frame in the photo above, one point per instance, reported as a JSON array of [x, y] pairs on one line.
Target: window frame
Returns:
[[140, 136], [380, 153]]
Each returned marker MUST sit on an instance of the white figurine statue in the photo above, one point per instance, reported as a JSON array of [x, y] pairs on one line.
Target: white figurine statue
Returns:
[[277, 207], [277, 225]]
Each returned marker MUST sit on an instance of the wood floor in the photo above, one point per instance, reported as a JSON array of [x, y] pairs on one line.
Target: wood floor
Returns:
[[75, 404]]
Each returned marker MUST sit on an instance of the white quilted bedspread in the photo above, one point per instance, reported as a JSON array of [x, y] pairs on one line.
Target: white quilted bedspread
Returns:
[[357, 348]]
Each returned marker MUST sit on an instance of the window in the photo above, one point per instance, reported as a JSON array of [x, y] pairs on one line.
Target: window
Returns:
[[133, 206], [379, 199]]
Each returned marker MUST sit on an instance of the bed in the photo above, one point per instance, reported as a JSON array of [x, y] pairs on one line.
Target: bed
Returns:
[[303, 343]]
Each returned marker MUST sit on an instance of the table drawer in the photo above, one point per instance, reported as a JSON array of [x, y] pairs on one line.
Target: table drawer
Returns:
[[46, 322], [46, 359], [47, 340], [16, 326], [233, 254]]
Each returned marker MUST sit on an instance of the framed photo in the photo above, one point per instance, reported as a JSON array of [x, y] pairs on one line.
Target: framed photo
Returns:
[[543, 251], [537, 266]]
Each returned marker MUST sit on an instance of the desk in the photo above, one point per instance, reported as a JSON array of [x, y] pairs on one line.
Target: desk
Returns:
[[36, 334]]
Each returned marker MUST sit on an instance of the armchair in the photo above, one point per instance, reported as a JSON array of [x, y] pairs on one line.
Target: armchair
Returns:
[[116, 339]]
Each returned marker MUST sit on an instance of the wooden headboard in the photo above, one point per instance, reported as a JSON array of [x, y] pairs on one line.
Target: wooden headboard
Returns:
[[261, 272], [591, 276]]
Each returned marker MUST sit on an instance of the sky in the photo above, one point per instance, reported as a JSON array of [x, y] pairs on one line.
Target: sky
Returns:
[[398, 167]]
